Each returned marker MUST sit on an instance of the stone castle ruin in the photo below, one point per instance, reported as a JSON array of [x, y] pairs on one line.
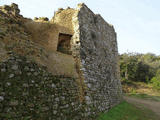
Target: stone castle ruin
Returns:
[[64, 69]]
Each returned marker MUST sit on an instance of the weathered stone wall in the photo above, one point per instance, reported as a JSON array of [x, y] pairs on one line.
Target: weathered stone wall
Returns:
[[29, 92], [37, 40], [63, 18], [47, 84], [99, 61]]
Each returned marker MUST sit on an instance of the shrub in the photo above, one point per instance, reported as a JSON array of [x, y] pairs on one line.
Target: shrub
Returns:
[[156, 81]]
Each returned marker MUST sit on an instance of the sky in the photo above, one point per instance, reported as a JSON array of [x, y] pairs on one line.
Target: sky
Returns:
[[136, 22]]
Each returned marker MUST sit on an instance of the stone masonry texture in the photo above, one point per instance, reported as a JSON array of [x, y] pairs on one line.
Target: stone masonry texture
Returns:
[[37, 82]]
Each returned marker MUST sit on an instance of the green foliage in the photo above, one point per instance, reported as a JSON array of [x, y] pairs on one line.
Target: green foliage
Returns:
[[128, 66], [139, 67], [133, 91], [126, 111], [156, 80]]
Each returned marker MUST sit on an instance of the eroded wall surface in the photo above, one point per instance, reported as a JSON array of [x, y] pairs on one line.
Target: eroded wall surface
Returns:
[[38, 82], [46, 34], [99, 61]]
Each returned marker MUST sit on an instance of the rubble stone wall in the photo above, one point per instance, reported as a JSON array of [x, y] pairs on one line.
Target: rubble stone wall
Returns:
[[99, 59], [38, 82]]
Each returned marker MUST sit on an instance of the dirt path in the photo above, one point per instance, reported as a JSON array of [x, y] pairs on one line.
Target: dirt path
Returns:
[[152, 105]]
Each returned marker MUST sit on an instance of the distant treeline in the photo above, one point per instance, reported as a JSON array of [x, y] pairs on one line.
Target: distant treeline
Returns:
[[140, 67]]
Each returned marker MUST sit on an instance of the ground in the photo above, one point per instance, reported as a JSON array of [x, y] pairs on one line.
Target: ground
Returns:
[[133, 108], [142, 102], [150, 104]]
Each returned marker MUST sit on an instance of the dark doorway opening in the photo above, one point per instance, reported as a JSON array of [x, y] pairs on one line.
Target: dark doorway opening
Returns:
[[64, 45]]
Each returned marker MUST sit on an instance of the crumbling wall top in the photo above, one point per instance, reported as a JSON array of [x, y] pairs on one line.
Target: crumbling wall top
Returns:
[[10, 9], [63, 18]]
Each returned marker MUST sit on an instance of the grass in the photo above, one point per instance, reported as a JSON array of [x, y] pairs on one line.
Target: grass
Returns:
[[126, 111]]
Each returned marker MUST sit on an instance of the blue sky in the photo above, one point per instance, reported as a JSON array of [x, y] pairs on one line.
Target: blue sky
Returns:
[[137, 22]]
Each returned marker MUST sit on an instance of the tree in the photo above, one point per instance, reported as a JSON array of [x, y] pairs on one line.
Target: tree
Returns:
[[128, 67], [139, 67]]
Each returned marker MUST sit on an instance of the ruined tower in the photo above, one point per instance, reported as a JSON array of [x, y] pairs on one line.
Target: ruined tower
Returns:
[[77, 44]]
